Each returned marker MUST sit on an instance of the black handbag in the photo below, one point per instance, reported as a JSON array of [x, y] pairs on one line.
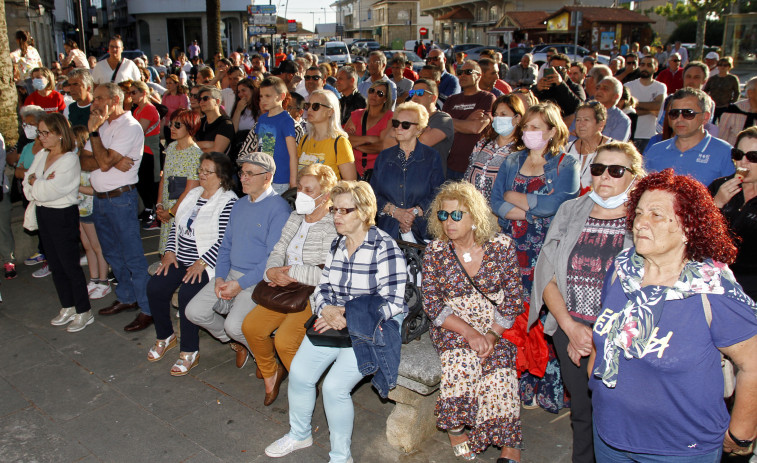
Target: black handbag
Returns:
[[176, 186], [329, 338]]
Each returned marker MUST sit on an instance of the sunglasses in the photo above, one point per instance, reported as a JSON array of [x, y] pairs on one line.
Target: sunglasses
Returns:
[[456, 215], [380, 93], [468, 72], [405, 124], [687, 114], [615, 171], [433, 58], [675, 60], [315, 106], [738, 155], [204, 98], [342, 210], [419, 92], [133, 92], [312, 77], [194, 96]]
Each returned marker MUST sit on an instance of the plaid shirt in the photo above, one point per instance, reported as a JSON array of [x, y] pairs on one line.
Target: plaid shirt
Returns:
[[376, 267]]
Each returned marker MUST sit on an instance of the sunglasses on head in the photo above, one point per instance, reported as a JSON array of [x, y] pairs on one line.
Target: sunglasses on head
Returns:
[[419, 92], [614, 170], [738, 155], [312, 77], [176, 125], [405, 124], [456, 215], [687, 114], [315, 106], [380, 93], [468, 72]]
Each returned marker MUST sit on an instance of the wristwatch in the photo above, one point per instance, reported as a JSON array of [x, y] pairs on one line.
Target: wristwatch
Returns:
[[739, 442], [416, 212], [94, 134]]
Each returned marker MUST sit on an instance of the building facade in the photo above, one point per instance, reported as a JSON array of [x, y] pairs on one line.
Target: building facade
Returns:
[[397, 21], [357, 18], [35, 17]]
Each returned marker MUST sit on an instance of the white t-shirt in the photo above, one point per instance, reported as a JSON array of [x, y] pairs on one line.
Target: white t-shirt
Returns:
[[102, 72], [645, 125], [125, 136]]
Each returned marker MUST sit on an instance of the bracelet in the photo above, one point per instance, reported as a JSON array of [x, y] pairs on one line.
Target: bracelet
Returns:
[[170, 212], [203, 263], [491, 331]]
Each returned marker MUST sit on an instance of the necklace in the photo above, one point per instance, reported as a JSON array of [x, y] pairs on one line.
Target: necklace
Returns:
[[466, 255]]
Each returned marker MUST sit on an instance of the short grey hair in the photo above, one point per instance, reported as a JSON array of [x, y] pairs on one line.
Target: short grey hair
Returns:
[[84, 75], [32, 110], [751, 84], [616, 84], [599, 72], [350, 71], [529, 56], [215, 92], [380, 54], [686, 92], [114, 91]]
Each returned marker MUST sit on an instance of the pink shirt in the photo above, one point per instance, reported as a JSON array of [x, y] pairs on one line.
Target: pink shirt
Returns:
[[123, 135], [174, 102]]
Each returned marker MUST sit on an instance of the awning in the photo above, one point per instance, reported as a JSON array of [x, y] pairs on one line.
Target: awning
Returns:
[[458, 12]]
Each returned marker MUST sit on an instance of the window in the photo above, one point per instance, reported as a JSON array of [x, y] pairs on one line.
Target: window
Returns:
[[493, 13]]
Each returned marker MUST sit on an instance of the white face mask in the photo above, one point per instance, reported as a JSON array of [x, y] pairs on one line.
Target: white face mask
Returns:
[[613, 201], [30, 131], [39, 83], [503, 125], [305, 204]]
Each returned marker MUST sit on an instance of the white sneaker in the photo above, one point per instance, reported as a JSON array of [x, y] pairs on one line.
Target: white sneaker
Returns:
[[81, 320], [287, 445], [66, 315], [100, 291], [83, 261], [91, 286], [42, 272]]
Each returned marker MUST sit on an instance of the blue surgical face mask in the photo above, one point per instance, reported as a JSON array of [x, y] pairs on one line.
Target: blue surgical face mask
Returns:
[[503, 125], [613, 201], [39, 84]]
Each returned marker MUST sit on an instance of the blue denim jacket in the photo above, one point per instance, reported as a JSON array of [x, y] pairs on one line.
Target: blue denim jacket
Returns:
[[375, 341], [405, 188], [564, 180]]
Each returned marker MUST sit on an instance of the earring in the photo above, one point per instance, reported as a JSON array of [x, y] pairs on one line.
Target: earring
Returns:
[[472, 227]]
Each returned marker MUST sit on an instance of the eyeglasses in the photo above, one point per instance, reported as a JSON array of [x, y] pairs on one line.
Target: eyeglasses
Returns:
[[312, 77], [433, 58], [468, 72], [380, 93], [177, 125], [456, 215], [419, 92], [675, 60], [205, 172], [244, 173], [736, 154], [204, 98], [43, 133], [342, 210], [687, 114], [405, 124], [133, 92], [315, 106], [194, 96], [614, 170]]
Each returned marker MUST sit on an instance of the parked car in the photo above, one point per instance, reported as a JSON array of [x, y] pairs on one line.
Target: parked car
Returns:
[[131, 54], [356, 44], [337, 52], [367, 47], [411, 56], [540, 53], [450, 52]]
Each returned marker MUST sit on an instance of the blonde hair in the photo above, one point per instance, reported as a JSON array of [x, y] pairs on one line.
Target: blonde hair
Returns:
[[362, 195], [334, 128], [637, 162], [47, 74], [323, 173], [467, 196], [550, 114], [416, 108]]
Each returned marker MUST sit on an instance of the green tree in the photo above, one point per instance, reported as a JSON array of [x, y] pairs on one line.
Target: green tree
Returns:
[[698, 10], [8, 95], [213, 13]]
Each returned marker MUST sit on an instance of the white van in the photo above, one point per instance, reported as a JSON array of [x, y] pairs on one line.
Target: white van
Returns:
[[337, 52]]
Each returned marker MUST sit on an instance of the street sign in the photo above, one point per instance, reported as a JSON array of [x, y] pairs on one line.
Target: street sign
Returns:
[[261, 9], [292, 25], [261, 30], [423, 31], [262, 20], [576, 18]]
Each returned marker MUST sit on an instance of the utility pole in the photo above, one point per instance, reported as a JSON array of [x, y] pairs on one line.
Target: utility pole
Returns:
[[80, 25]]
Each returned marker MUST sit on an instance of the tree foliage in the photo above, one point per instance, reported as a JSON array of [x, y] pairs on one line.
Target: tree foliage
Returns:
[[698, 10], [686, 32]]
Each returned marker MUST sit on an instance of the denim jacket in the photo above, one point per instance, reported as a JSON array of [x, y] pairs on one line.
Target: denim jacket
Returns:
[[564, 180], [375, 341], [405, 188]]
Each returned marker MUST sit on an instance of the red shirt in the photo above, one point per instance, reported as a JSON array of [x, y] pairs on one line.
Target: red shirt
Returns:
[[279, 58], [149, 112], [51, 103], [673, 82], [503, 86]]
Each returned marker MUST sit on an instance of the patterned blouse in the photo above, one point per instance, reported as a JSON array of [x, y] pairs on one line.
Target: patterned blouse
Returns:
[[484, 164]]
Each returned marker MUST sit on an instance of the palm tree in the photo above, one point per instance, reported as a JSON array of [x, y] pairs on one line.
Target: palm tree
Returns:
[[8, 95], [213, 13]]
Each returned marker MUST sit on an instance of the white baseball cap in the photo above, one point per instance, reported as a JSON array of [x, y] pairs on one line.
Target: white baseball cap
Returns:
[[712, 55]]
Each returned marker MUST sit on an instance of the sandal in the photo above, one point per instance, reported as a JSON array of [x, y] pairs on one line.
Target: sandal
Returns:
[[186, 361], [158, 351], [462, 449]]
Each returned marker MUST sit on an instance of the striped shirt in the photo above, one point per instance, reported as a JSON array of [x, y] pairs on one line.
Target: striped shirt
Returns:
[[187, 253], [484, 164], [376, 267]]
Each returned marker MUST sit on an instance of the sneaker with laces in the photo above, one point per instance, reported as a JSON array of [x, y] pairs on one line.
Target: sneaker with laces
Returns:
[[10, 271], [80, 321], [35, 259], [66, 315], [101, 290], [151, 225], [287, 445], [91, 287], [42, 272]]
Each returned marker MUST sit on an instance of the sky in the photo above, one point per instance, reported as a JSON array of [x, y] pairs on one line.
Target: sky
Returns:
[[308, 12]]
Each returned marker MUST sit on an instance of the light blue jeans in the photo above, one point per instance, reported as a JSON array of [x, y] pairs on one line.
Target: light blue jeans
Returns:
[[307, 367]]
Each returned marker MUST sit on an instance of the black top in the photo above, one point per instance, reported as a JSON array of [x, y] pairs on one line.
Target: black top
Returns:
[[350, 103], [221, 126], [743, 221]]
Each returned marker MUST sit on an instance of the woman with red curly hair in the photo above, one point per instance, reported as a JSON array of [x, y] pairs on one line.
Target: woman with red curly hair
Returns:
[[179, 170], [670, 306]]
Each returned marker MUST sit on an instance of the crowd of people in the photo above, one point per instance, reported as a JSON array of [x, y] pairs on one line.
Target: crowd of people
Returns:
[[578, 220]]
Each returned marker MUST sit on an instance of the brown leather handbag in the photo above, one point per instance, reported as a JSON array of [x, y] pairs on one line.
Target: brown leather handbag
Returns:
[[291, 298]]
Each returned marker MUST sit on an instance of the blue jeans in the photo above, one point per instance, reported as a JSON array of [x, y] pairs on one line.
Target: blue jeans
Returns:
[[117, 227], [307, 367], [606, 454]]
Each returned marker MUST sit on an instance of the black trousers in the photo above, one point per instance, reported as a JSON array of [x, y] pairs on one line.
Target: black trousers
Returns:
[[576, 380], [59, 235], [147, 187]]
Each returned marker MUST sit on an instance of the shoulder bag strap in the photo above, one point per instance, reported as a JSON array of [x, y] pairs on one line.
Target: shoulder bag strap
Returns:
[[364, 161], [115, 72], [470, 280], [336, 152]]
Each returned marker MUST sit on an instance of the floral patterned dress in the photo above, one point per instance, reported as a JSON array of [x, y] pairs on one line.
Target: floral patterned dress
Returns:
[[179, 163], [479, 393]]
